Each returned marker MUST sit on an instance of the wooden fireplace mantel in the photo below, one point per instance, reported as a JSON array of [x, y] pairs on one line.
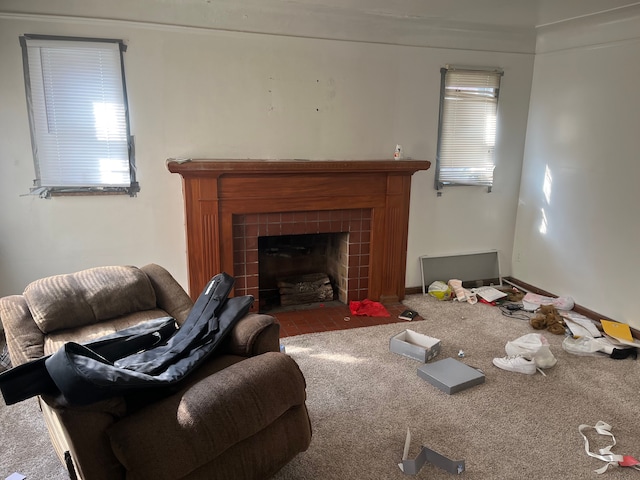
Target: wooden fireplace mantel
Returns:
[[216, 190], [220, 167]]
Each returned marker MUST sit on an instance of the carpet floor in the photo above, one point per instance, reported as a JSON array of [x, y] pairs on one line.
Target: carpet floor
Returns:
[[362, 398]]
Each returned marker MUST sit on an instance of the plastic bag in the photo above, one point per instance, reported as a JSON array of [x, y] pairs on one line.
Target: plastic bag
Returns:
[[440, 290], [589, 346], [532, 302], [584, 346], [368, 308]]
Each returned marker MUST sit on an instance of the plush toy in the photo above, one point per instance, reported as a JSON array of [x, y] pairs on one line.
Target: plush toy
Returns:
[[514, 295], [548, 318]]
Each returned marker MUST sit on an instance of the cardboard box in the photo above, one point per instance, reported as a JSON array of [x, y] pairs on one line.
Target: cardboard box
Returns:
[[450, 375], [415, 345]]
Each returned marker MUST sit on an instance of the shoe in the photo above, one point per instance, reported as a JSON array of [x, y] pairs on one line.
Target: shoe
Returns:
[[533, 346], [516, 363]]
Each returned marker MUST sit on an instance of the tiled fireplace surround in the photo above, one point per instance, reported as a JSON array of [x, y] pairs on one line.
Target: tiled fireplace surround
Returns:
[[230, 203], [354, 285]]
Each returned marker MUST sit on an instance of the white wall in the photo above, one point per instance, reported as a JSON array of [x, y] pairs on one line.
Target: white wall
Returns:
[[584, 124], [213, 94]]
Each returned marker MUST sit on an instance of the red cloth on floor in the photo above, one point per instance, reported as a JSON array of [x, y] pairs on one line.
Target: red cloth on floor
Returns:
[[368, 308]]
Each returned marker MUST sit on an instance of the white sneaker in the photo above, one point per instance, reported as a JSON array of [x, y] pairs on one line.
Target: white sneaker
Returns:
[[516, 363], [533, 346]]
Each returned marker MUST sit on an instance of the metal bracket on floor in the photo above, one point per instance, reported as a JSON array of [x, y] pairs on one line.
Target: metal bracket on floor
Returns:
[[412, 467]]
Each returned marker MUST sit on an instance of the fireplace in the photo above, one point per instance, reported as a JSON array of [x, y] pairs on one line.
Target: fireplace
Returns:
[[302, 269], [230, 204], [340, 238]]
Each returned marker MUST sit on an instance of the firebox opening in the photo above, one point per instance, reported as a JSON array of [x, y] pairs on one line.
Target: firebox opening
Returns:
[[302, 269]]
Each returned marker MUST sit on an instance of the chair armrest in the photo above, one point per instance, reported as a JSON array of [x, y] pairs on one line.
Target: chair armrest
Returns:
[[24, 339], [204, 420], [253, 335]]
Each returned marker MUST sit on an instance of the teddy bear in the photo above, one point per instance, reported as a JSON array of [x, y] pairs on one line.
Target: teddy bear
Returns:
[[548, 318]]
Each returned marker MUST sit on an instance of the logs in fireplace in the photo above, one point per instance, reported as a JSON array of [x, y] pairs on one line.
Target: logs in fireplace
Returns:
[[303, 289]]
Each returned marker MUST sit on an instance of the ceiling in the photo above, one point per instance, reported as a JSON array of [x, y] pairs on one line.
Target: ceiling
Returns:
[[503, 25], [512, 13]]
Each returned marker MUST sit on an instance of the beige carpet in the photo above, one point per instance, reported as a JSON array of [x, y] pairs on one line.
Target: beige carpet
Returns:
[[362, 398], [24, 443]]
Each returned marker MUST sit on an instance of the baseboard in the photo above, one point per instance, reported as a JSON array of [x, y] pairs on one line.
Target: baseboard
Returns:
[[476, 283], [412, 290], [577, 308]]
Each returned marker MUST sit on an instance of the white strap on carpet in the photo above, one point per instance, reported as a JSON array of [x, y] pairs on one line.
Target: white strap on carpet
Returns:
[[605, 453]]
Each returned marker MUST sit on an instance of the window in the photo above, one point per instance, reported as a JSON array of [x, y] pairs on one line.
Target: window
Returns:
[[78, 115], [467, 127]]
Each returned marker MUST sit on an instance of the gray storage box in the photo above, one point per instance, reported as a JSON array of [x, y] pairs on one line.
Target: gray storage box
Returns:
[[415, 345], [450, 375]]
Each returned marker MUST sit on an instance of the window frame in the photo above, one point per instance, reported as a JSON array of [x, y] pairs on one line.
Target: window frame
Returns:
[[439, 184], [47, 191]]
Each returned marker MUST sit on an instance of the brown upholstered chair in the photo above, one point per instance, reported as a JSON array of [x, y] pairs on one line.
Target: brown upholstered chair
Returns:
[[241, 415]]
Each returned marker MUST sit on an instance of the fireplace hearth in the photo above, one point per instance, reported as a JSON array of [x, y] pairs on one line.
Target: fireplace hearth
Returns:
[[230, 204]]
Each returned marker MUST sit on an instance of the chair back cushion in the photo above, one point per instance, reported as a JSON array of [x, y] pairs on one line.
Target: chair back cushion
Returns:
[[89, 296]]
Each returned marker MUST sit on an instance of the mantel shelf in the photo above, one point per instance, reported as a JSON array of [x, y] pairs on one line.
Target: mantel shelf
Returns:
[[225, 166]]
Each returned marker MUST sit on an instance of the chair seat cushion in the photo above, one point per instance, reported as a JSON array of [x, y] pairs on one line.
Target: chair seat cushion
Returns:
[[88, 333], [209, 416]]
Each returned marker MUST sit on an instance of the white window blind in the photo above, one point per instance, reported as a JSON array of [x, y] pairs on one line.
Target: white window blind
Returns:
[[467, 130], [79, 123]]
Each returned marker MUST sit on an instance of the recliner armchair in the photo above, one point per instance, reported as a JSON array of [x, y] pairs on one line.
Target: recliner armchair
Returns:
[[240, 415]]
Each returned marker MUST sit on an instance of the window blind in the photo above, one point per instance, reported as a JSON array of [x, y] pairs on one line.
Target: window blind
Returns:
[[466, 144], [78, 113]]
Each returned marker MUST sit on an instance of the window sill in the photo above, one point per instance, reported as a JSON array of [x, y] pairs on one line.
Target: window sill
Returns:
[[49, 192]]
